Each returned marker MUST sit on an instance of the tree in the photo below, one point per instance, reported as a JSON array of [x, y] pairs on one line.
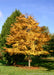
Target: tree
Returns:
[[7, 25], [45, 29], [50, 45], [26, 37]]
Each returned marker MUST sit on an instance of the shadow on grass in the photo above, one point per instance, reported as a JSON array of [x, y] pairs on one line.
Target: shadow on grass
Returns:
[[47, 63]]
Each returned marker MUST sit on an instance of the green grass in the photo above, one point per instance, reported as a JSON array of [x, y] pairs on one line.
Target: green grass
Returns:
[[10, 70]]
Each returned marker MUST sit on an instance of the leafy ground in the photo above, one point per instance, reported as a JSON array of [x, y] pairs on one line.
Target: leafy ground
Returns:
[[46, 67]]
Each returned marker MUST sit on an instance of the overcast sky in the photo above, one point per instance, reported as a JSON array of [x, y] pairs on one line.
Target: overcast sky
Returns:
[[42, 10]]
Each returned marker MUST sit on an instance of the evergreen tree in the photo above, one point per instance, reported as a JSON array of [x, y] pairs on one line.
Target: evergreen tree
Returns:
[[6, 27], [50, 45]]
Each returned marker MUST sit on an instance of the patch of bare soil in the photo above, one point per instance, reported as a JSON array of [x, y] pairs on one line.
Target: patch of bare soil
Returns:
[[26, 67]]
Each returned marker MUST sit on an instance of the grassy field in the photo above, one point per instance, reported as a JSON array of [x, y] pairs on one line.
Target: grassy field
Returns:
[[46, 67]]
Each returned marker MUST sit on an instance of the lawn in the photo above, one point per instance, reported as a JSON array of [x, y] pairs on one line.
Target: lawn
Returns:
[[10, 70], [46, 67]]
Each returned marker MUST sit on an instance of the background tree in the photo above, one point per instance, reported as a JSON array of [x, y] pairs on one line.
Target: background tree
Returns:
[[50, 45], [6, 27], [26, 37], [45, 29]]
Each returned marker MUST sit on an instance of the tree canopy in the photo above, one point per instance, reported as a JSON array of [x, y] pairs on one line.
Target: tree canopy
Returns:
[[26, 37]]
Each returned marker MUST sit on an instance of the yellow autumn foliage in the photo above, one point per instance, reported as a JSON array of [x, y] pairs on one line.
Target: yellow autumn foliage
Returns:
[[26, 37]]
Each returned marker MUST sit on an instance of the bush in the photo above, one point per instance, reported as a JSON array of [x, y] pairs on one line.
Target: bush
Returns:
[[11, 59]]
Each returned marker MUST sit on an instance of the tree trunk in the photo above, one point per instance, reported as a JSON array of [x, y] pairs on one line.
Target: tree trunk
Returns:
[[29, 63]]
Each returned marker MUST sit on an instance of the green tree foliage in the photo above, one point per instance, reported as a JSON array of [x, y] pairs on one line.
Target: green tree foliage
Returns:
[[13, 59], [45, 29], [50, 45], [10, 20], [6, 27]]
